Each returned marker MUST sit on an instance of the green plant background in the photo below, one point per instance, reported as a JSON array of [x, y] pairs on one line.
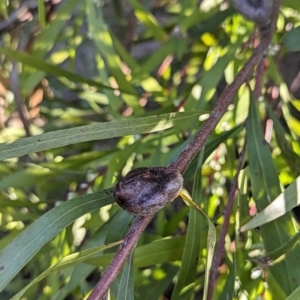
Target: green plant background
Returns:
[[111, 86]]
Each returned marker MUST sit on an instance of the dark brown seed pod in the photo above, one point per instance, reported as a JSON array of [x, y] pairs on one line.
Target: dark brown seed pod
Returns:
[[144, 191]]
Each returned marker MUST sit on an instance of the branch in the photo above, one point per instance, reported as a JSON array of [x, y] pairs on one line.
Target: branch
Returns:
[[120, 257]]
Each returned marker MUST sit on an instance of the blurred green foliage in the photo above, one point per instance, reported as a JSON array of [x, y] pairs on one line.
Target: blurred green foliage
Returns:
[[90, 90]]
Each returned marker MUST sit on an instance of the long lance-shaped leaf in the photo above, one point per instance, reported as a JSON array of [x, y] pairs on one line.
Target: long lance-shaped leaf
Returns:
[[190, 255], [149, 21], [65, 262], [126, 287], [44, 42], [295, 295], [285, 248], [211, 241], [97, 131], [39, 64], [265, 187], [285, 202], [17, 253], [277, 255], [156, 252], [104, 44]]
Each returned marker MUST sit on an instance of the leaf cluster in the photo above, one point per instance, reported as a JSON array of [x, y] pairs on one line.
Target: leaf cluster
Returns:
[[90, 90]]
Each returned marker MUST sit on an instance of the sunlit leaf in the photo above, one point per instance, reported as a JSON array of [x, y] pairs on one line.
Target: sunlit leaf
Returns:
[[265, 187], [149, 21], [42, 13], [41, 65], [211, 242], [284, 203], [66, 262], [159, 251], [16, 254], [3, 8], [44, 43], [97, 131], [192, 244]]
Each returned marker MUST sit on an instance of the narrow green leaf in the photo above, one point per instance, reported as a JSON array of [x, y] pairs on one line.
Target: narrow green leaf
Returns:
[[16, 254], [283, 249], [155, 59], [188, 7], [284, 139], [209, 79], [119, 227], [126, 287], [80, 272], [159, 286], [276, 287], [284, 203], [40, 173], [145, 80], [265, 187], [229, 287], [189, 262], [209, 20], [65, 262], [292, 4], [27, 177], [188, 292], [292, 39], [3, 8], [45, 41], [103, 41], [93, 132], [83, 270], [159, 251], [42, 13], [295, 295], [211, 242], [149, 21], [114, 102], [39, 64]]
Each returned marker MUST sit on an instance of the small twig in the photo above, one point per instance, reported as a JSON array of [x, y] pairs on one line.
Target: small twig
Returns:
[[224, 229], [120, 257]]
